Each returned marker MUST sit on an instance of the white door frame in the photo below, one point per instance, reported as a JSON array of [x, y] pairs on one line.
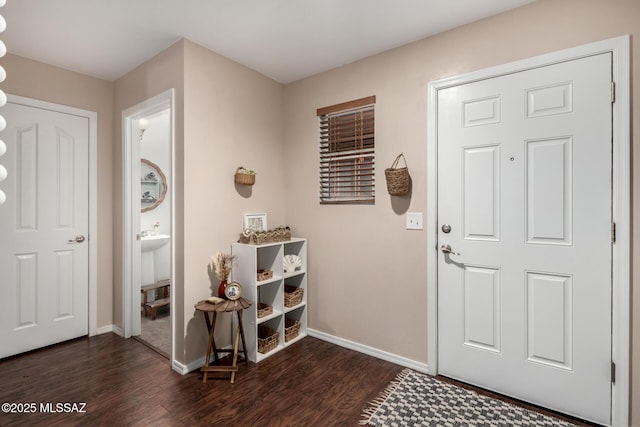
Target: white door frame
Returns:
[[92, 117], [621, 203], [131, 224]]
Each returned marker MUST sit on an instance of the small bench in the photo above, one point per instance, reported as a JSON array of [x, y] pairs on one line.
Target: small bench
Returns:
[[162, 295], [153, 305]]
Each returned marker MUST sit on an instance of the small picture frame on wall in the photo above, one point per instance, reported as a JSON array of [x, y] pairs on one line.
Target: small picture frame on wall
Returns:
[[255, 222]]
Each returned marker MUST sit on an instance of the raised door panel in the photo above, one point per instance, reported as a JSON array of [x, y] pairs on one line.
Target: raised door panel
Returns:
[[481, 193], [549, 187], [549, 319], [27, 177], [482, 307]]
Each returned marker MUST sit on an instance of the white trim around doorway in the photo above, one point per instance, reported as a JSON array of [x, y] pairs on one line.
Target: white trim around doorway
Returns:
[[131, 223], [621, 203]]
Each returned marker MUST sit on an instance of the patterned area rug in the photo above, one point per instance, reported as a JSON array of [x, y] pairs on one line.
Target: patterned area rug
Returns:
[[415, 399]]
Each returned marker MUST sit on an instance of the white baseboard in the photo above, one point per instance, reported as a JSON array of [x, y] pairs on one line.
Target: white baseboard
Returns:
[[183, 369], [380, 354], [109, 328], [175, 365], [195, 365], [351, 345]]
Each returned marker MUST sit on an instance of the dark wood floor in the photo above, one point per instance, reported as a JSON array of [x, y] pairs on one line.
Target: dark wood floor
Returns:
[[124, 383]]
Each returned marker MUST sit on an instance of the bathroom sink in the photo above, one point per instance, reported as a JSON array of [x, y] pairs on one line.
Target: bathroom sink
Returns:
[[151, 243]]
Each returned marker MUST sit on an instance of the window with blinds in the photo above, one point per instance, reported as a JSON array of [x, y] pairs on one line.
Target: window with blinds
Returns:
[[347, 152]]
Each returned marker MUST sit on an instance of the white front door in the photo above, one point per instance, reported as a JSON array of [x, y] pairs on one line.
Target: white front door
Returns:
[[44, 224], [524, 187]]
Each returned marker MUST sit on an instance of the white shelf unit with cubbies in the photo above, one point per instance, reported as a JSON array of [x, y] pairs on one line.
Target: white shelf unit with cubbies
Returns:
[[269, 256]]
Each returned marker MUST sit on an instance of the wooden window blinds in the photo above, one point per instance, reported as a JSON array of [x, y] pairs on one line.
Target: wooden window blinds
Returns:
[[347, 152]]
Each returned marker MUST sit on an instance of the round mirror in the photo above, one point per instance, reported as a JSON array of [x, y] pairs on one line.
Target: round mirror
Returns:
[[153, 185]]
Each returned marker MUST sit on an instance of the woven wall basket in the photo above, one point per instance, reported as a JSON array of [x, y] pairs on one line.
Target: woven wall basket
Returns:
[[397, 178], [244, 178]]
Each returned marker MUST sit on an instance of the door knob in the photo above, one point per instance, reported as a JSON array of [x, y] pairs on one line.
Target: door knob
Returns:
[[446, 249], [79, 239]]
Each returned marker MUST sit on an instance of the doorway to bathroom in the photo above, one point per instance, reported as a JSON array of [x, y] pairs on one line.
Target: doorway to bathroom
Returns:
[[148, 222]]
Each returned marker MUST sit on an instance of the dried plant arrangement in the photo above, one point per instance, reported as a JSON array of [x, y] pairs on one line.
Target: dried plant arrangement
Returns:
[[223, 264]]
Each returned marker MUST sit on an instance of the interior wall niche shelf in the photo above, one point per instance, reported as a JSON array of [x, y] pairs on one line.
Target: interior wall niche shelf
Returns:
[[269, 256]]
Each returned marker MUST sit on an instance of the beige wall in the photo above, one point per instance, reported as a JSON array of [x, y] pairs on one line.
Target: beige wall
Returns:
[[232, 116], [161, 73], [358, 255], [37, 80], [227, 115]]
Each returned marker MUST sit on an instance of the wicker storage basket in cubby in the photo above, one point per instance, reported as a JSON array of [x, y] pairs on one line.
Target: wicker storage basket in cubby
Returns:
[[264, 309], [267, 339], [264, 275], [292, 296], [291, 329]]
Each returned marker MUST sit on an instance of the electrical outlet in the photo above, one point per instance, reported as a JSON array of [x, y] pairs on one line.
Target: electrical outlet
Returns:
[[414, 220]]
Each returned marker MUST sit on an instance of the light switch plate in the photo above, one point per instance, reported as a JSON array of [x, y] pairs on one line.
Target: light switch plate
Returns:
[[414, 220]]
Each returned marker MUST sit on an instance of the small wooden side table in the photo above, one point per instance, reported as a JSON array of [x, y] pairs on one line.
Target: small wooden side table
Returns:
[[225, 306]]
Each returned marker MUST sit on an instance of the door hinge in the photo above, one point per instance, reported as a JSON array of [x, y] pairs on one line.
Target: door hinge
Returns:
[[613, 232], [613, 92], [613, 372]]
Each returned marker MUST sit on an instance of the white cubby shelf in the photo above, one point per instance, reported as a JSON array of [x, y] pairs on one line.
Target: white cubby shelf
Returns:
[[268, 256]]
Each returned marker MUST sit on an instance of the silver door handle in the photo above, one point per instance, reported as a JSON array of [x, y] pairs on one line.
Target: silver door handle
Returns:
[[446, 249], [79, 239]]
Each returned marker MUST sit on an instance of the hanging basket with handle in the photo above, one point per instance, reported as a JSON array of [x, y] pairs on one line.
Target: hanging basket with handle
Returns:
[[397, 178], [244, 176]]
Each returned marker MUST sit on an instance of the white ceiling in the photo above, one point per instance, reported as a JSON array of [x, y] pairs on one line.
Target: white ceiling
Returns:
[[284, 39]]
